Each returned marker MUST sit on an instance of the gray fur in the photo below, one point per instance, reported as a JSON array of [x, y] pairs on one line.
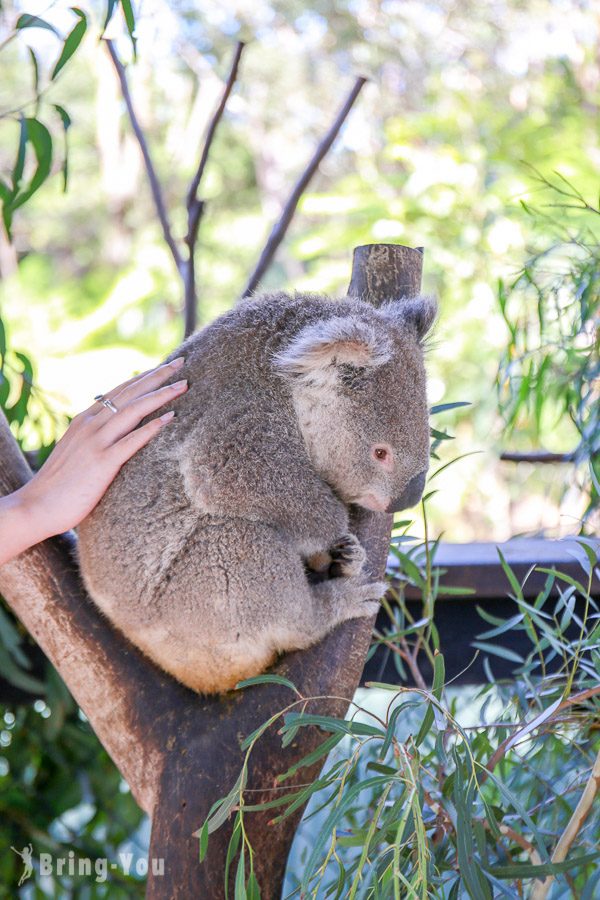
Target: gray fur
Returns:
[[197, 551]]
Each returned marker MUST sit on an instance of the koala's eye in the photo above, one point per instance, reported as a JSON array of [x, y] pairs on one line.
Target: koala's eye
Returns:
[[384, 455]]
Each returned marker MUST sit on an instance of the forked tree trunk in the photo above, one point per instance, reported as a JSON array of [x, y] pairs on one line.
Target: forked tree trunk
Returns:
[[178, 751]]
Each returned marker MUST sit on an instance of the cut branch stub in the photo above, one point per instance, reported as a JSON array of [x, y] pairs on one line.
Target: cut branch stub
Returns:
[[386, 272]]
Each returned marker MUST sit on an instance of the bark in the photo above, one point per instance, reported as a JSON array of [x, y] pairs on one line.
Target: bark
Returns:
[[180, 752]]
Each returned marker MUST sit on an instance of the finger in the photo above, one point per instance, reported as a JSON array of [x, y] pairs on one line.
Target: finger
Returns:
[[130, 415], [98, 407], [135, 440], [136, 387]]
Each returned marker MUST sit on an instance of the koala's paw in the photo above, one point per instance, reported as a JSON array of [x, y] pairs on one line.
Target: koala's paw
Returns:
[[364, 600], [347, 557]]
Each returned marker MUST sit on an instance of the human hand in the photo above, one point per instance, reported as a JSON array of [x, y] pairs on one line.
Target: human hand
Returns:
[[85, 461]]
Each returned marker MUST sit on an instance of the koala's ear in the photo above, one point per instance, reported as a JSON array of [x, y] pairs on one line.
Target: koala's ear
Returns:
[[342, 340], [416, 313]]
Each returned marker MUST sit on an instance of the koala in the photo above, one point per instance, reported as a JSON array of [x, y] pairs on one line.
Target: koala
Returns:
[[298, 406]]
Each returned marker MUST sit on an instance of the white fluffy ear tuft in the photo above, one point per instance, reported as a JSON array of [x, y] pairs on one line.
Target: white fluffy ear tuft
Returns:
[[416, 313], [337, 341]]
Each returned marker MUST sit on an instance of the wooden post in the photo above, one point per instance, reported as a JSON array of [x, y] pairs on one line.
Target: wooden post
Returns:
[[178, 751]]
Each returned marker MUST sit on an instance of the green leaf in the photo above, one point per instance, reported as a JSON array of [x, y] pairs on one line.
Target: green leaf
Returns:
[[4, 391], [591, 552], [252, 887], [498, 651], [36, 71], [72, 42], [327, 723], [535, 723], [488, 617], [562, 577], [500, 629], [384, 770], [203, 839], [28, 21], [130, 22], [40, 139], [408, 567], [463, 794], [514, 583], [393, 718], [221, 810], [240, 879], [17, 172], [441, 435], [336, 813], [442, 407], [529, 870], [64, 115], [66, 123], [267, 679], [110, 9], [251, 738], [456, 591], [232, 849], [322, 750], [436, 690]]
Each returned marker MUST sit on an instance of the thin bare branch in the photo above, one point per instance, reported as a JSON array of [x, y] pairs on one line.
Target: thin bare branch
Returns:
[[157, 196], [280, 228], [212, 128], [195, 207], [537, 456]]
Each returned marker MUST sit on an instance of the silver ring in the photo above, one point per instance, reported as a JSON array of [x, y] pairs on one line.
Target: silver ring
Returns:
[[106, 402]]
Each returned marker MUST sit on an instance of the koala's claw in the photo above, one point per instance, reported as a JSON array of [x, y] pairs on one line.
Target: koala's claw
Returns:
[[376, 590], [368, 597], [350, 598], [347, 557]]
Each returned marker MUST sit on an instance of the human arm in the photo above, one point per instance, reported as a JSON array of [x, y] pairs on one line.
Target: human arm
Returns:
[[85, 461]]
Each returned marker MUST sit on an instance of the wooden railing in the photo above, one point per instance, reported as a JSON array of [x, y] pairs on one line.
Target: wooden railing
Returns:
[[476, 566]]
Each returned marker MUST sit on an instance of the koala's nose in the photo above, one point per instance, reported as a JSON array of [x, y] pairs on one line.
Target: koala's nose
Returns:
[[411, 494]]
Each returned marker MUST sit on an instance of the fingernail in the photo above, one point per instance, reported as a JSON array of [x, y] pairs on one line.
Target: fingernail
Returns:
[[179, 384], [167, 416], [177, 363]]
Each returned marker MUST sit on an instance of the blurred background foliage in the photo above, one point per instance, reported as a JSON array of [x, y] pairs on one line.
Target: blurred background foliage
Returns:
[[463, 100]]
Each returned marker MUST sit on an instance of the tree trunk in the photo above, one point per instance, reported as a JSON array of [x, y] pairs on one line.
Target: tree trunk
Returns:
[[178, 751]]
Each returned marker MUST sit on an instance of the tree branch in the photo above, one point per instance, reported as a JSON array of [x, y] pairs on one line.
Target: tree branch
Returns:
[[537, 456], [206, 756], [178, 750], [195, 207], [150, 170], [280, 227], [107, 677], [195, 183]]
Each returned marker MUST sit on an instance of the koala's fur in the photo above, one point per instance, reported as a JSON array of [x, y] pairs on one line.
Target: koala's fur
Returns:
[[197, 551]]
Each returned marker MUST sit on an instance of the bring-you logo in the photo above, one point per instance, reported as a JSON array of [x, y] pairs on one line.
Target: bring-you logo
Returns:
[[74, 866]]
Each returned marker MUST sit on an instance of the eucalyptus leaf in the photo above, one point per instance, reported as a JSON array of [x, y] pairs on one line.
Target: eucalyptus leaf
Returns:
[[72, 42]]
